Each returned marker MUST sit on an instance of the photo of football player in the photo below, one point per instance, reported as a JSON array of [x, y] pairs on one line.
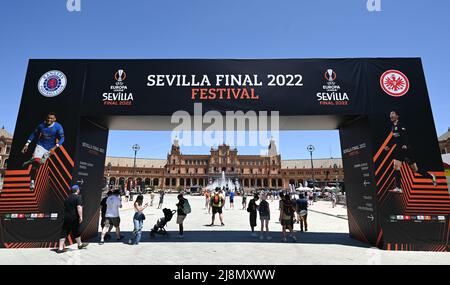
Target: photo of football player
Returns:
[[403, 153], [48, 135]]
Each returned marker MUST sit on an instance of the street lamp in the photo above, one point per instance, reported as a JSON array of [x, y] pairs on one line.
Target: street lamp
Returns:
[[135, 148], [311, 148], [109, 178], [337, 173]]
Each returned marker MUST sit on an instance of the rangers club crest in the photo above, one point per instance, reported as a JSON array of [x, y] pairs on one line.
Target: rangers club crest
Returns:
[[52, 83], [394, 83]]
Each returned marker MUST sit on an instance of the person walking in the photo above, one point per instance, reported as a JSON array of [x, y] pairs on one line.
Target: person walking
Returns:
[[161, 199], [127, 195], [73, 217], [264, 216], [112, 217], [333, 199], [183, 209], [302, 212], [152, 197], [232, 199], [217, 201], [103, 208], [244, 200], [280, 201], [138, 220], [207, 199], [252, 209], [287, 212]]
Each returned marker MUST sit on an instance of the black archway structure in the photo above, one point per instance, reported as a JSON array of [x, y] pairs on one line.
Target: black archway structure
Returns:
[[354, 96]]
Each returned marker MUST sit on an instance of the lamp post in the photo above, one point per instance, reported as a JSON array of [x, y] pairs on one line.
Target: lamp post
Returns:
[[108, 169], [337, 172], [135, 148], [311, 148]]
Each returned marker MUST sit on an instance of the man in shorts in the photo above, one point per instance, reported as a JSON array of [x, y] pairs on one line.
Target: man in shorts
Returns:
[[73, 217], [217, 203], [112, 217]]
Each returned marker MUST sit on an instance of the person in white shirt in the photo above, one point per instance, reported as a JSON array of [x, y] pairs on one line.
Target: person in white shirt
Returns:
[[112, 218]]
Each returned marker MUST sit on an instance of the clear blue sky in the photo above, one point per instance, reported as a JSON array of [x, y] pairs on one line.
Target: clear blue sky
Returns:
[[224, 29]]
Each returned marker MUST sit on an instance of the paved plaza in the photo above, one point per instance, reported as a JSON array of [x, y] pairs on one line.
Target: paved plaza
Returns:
[[326, 242]]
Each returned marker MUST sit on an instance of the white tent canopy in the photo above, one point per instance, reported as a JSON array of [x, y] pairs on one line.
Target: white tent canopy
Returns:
[[303, 188]]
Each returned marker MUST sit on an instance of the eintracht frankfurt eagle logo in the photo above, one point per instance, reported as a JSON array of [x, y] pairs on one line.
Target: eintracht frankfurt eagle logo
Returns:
[[394, 83]]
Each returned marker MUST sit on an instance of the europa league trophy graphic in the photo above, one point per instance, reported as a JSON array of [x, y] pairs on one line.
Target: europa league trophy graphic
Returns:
[[330, 75], [120, 75]]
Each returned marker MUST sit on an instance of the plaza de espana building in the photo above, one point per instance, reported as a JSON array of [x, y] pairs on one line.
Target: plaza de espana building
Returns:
[[251, 171]]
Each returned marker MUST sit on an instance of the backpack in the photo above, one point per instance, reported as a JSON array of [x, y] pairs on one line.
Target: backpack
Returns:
[[186, 207], [288, 209], [216, 199]]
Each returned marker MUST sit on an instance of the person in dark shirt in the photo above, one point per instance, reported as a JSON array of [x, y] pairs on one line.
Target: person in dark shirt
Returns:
[[302, 211], [73, 217], [253, 210], [402, 152], [161, 199], [181, 215]]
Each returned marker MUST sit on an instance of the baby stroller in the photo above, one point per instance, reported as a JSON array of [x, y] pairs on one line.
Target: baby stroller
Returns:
[[159, 227]]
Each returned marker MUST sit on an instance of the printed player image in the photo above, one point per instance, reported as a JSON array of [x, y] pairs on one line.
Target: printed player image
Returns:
[[48, 136], [403, 152]]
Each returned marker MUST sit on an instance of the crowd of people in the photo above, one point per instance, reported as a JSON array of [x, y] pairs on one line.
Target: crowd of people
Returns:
[[292, 207]]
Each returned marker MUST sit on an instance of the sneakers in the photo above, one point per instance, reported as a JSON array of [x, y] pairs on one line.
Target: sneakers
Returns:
[[434, 179], [58, 251], [101, 243], [83, 246], [396, 190]]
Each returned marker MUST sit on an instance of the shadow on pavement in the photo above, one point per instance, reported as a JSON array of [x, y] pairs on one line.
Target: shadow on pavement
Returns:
[[240, 237]]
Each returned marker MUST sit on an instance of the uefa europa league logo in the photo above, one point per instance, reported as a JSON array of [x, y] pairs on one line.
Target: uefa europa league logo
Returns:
[[330, 75], [120, 75]]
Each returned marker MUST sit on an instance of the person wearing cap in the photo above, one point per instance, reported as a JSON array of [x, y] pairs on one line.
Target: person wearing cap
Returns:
[[73, 217]]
